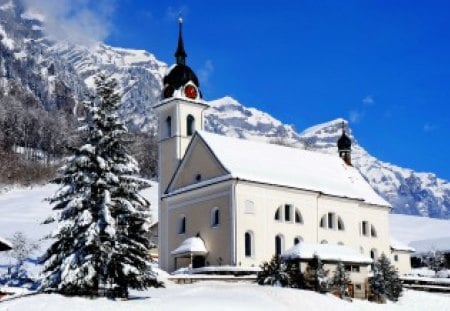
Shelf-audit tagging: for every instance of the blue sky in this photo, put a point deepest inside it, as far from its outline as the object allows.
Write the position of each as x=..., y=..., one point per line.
x=383, y=65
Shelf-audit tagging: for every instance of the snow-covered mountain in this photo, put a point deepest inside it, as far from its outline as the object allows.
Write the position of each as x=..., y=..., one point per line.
x=59, y=73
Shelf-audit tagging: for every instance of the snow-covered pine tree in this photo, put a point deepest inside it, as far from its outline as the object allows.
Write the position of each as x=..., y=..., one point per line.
x=340, y=279
x=435, y=260
x=377, y=284
x=273, y=273
x=389, y=276
x=315, y=277
x=101, y=241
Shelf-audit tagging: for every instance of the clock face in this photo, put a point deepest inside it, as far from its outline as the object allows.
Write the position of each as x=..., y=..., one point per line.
x=168, y=91
x=190, y=91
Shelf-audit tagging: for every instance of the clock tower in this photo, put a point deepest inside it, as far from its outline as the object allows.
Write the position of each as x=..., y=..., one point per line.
x=180, y=114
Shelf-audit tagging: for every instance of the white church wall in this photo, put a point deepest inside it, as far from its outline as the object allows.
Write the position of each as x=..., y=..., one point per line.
x=197, y=207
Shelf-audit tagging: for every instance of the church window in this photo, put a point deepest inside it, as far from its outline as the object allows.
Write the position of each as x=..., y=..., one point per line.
x=395, y=257
x=373, y=254
x=331, y=220
x=279, y=244
x=373, y=232
x=190, y=125
x=298, y=217
x=182, y=225
x=278, y=214
x=215, y=217
x=249, y=207
x=323, y=221
x=287, y=212
x=365, y=228
x=249, y=251
x=168, y=126
x=198, y=177
x=340, y=224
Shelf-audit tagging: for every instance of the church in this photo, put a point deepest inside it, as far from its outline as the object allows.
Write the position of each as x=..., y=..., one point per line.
x=230, y=202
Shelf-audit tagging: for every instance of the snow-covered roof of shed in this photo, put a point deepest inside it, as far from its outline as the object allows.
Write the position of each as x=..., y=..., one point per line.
x=193, y=245
x=399, y=246
x=5, y=245
x=291, y=167
x=326, y=252
x=429, y=245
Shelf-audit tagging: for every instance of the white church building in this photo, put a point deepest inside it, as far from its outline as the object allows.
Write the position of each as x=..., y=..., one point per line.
x=228, y=201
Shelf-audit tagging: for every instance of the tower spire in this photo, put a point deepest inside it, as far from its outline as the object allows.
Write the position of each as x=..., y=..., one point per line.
x=180, y=53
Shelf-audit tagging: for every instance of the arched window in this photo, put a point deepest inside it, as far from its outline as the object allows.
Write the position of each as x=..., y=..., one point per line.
x=168, y=126
x=324, y=242
x=373, y=254
x=215, y=217
x=278, y=214
x=249, y=251
x=365, y=228
x=279, y=244
x=190, y=125
x=323, y=221
x=182, y=225
x=297, y=240
x=340, y=224
x=298, y=217
x=373, y=232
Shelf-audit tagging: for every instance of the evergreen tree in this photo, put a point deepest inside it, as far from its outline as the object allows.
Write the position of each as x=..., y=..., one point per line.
x=387, y=275
x=295, y=276
x=273, y=273
x=435, y=260
x=377, y=284
x=101, y=240
x=340, y=279
x=316, y=277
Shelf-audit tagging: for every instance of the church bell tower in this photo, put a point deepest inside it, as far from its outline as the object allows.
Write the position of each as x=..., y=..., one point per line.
x=180, y=114
x=345, y=146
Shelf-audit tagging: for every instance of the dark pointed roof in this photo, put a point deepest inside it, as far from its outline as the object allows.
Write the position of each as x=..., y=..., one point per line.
x=344, y=142
x=180, y=73
x=180, y=53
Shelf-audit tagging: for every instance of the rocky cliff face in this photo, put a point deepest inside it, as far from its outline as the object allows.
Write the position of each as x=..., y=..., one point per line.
x=58, y=74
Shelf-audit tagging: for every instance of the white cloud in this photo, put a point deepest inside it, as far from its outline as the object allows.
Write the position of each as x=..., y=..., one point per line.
x=78, y=21
x=205, y=72
x=355, y=116
x=368, y=100
x=173, y=13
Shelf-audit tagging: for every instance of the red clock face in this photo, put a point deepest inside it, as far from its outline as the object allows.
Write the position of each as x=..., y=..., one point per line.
x=190, y=92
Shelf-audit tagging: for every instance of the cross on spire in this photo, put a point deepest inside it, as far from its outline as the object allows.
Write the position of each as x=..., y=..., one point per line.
x=180, y=53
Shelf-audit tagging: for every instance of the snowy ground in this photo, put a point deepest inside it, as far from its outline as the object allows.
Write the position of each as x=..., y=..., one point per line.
x=226, y=296
x=23, y=209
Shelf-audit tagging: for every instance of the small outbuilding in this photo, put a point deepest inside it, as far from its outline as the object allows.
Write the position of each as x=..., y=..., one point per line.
x=191, y=253
x=356, y=264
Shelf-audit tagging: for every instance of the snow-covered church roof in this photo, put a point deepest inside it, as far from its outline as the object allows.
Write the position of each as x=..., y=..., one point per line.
x=326, y=252
x=290, y=167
